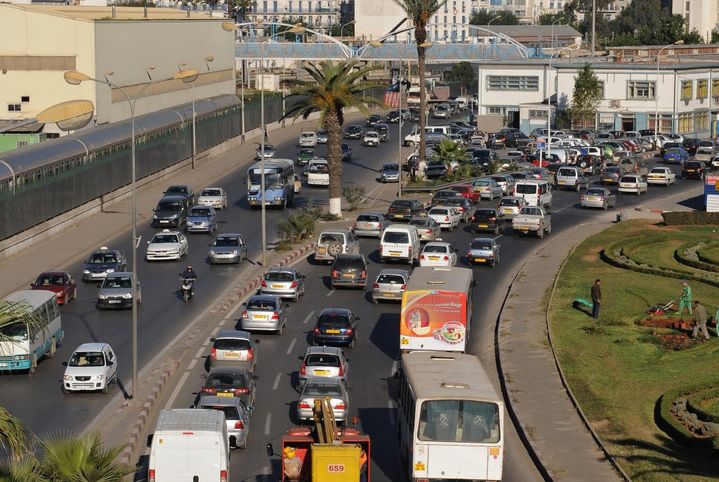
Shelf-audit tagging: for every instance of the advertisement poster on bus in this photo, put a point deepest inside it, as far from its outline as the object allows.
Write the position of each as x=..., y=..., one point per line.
x=433, y=320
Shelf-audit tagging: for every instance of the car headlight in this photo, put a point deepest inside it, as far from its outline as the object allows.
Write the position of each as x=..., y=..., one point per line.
x=174, y=251
x=174, y=216
x=212, y=252
x=154, y=216
x=277, y=198
x=235, y=251
x=127, y=296
x=86, y=271
x=102, y=297
x=98, y=378
x=67, y=378
x=110, y=270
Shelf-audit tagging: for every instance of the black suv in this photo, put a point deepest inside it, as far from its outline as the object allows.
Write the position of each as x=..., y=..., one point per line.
x=392, y=117
x=353, y=132
x=517, y=140
x=404, y=210
x=486, y=219
x=373, y=120
x=181, y=190
x=349, y=270
x=101, y=262
x=171, y=211
x=440, y=196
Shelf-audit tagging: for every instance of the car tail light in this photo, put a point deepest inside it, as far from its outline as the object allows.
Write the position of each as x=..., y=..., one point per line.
x=303, y=369
x=421, y=256
x=294, y=284
x=239, y=425
x=316, y=331
x=446, y=258
x=264, y=283
x=363, y=274
x=429, y=231
x=223, y=476
x=240, y=391
x=210, y=390
x=245, y=316
x=375, y=286
x=335, y=273
x=213, y=353
x=348, y=331
x=493, y=218
x=275, y=316
x=303, y=405
x=446, y=218
x=151, y=475
x=340, y=406
x=250, y=354
x=341, y=371
x=403, y=287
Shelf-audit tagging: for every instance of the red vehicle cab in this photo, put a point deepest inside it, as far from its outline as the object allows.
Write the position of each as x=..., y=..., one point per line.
x=60, y=283
x=467, y=191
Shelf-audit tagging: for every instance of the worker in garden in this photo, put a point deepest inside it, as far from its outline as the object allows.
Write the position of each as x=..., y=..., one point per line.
x=596, y=298
x=685, y=300
x=700, y=320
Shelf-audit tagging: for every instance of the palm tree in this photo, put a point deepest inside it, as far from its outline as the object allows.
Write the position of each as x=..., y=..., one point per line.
x=420, y=11
x=13, y=435
x=12, y=312
x=60, y=458
x=334, y=87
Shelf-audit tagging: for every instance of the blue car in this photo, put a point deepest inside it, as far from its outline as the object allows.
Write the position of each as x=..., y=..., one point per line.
x=676, y=155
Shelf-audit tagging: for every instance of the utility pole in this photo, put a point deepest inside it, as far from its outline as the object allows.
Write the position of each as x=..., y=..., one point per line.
x=594, y=23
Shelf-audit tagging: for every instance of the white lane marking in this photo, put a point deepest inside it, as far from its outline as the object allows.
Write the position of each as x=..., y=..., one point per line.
x=192, y=364
x=268, y=423
x=309, y=316
x=330, y=293
x=176, y=391
x=558, y=210
x=390, y=406
x=394, y=368
x=200, y=351
x=498, y=236
x=215, y=331
x=292, y=345
x=276, y=385
x=222, y=322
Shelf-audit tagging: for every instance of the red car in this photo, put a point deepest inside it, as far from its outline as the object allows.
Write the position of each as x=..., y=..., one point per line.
x=467, y=191
x=60, y=283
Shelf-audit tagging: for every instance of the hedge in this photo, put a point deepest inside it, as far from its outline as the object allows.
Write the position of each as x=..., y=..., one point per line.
x=680, y=256
x=667, y=422
x=701, y=254
x=694, y=400
x=676, y=218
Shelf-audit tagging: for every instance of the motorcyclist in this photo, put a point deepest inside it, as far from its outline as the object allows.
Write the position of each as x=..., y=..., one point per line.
x=189, y=273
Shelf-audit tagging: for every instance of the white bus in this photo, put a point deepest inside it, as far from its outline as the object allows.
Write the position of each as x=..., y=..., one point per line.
x=21, y=347
x=450, y=418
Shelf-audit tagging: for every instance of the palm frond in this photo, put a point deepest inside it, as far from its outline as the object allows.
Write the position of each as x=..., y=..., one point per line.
x=12, y=312
x=14, y=438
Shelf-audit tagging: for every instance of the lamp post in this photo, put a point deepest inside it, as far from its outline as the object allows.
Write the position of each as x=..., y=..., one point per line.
x=231, y=27
x=549, y=100
x=492, y=20
x=344, y=25
x=76, y=78
x=189, y=76
x=656, y=91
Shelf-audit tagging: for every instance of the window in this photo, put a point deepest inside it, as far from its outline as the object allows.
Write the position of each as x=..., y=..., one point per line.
x=274, y=6
x=715, y=88
x=702, y=88
x=497, y=110
x=458, y=421
x=702, y=121
x=264, y=6
x=686, y=122
x=14, y=108
x=640, y=90
x=513, y=82
x=300, y=2
x=22, y=144
x=601, y=82
x=687, y=88
x=537, y=114
x=25, y=98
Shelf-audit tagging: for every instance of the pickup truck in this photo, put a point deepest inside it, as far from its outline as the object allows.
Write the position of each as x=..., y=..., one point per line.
x=534, y=219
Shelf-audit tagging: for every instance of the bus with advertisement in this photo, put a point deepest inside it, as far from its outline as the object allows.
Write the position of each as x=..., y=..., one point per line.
x=450, y=418
x=281, y=183
x=437, y=310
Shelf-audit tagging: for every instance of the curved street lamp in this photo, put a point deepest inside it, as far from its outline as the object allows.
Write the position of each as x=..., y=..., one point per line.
x=656, y=90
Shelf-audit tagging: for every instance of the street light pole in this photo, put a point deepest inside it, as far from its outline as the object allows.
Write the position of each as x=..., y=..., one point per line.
x=263, y=208
x=344, y=25
x=656, y=91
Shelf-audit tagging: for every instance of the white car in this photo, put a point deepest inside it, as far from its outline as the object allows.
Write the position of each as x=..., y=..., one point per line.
x=661, y=175
x=308, y=139
x=92, y=366
x=715, y=161
x=440, y=254
x=371, y=138
x=447, y=217
x=215, y=197
x=487, y=188
x=166, y=245
x=632, y=183
x=318, y=172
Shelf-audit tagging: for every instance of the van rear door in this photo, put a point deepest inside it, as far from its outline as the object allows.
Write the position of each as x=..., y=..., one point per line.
x=396, y=244
x=182, y=456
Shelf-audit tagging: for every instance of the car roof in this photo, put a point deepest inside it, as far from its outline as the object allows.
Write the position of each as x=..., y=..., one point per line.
x=226, y=370
x=349, y=256
x=53, y=273
x=329, y=350
x=166, y=231
x=335, y=231
x=438, y=243
x=264, y=298
x=339, y=311
x=118, y=274
x=281, y=269
x=91, y=347
x=390, y=271
x=172, y=197
x=219, y=401
x=371, y=213
x=212, y=187
x=234, y=334
x=228, y=235
x=482, y=239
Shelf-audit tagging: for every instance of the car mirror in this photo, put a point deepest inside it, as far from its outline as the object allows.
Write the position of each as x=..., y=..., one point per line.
x=269, y=449
x=212, y=339
x=110, y=363
x=149, y=440
x=64, y=363
x=357, y=318
x=244, y=304
x=301, y=358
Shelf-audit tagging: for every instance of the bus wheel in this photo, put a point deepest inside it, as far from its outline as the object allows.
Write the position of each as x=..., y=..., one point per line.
x=53, y=348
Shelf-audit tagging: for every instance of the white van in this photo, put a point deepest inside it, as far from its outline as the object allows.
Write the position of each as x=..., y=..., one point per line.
x=400, y=242
x=571, y=177
x=308, y=139
x=189, y=444
x=535, y=191
x=318, y=172
x=412, y=139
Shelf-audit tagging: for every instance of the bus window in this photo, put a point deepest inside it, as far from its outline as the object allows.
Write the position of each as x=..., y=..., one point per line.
x=458, y=421
x=15, y=332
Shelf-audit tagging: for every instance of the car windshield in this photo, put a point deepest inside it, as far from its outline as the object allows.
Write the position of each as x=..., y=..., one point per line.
x=227, y=380
x=348, y=262
x=368, y=218
x=440, y=212
x=226, y=242
x=234, y=344
x=674, y=151
x=164, y=238
x=230, y=412
x=327, y=238
x=87, y=359
x=481, y=244
x=49, y=280
x=322, y=360
x=611, y=170
x=14, y=332
x=526, y=188
x=446, y=194
x=102, y=258
x=262, y=305
x=390, y=167
x=397, y=237
x=321, y=390
x=211, y=192
x=279, y=276
x=176, y=190
x=419, y=222
x=333, y=320
x=354, y=129
x=481, y=183
x=200, y=212
x=308, y=135
x=272, y=180
x=629, y=179
x=319, y=167
x=567, y=172
x=508, y=202
x=658, y=170
x=391, y=279
x=481, y=153
x=117, y=282
x=457, y=201
x=693, y=164
x=484, y=213
x=458, y=421
x=169, y=206
x=595, y=192
x=530, y=211
x=435, y=248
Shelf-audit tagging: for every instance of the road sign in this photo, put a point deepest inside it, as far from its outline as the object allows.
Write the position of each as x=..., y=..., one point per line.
x=541, y=143
x=583, y=151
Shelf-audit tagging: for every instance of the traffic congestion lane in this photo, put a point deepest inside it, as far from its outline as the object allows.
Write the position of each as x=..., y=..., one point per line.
x=162, y=313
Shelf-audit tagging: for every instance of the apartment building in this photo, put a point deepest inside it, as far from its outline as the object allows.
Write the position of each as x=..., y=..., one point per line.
x=702, y=15
x=317, y=14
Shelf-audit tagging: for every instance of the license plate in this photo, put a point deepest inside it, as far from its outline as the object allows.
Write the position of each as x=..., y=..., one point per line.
x=113, y=301
x=507, y=211
x=399, y=215
x=230, y=354
x=322, y=372
x=395, y=253
x=479, y=260
x=260, y=317
x=690, y=170
x=524, y=229
x=483, y=225
x=594, y=198
x=348, y=275
x=225, y=394
x=434, y=258
x=562, y=182
x=277, y=286
x=4, y=364
x=164, y=221
x=333, y=332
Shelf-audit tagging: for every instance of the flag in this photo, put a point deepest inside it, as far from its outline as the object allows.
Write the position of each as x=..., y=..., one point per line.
x=391, y=99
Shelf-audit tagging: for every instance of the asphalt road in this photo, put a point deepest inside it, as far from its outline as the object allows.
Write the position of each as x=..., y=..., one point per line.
x=39, y=402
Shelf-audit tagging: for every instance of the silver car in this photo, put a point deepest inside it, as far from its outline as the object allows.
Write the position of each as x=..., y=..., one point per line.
x=509, y=206
x=201, y=219
x=227, y=248
x=213, y=196
x=317, y=388
x=389, y=285
x=116, y=291
x=427, y=228
x=324, y=362
x=370, y=224
x=483, y=251
x=333, y=242
x=505, y=181
x=283, y=282
x=598, y=197
x=234, y=348
x=237, y=417
x=264, y=313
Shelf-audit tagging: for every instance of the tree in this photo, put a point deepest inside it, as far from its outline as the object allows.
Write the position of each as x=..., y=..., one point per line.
x=586, y=97
x=483, y=17
x=449, y=151
x=462, y=72
x=13, y=435
x=59, y=458
x=550, y=18
x=337, y=30
x=240, y=8
x=419, y=12
x=333, y=88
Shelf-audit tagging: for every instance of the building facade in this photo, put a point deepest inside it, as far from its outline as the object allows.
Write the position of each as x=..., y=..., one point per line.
x=319, y=15
x=702, y=15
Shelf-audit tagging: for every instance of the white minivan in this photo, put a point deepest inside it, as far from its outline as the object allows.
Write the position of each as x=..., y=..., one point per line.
x=308, y=139
x=318, y=172
x=535, y=191
x=571, y=177
x=400, y=242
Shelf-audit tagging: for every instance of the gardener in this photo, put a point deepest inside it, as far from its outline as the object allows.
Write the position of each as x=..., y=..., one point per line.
x=700, y=320
x=685, y=300
x=596, y=299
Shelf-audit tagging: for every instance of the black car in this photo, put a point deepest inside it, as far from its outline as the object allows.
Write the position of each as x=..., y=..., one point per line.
x=486, y=219
x=693, y=170
x=392, y=117
x=353, y=132
x=383, y=131
x=404, y=210
x=171, y=211
x=349, y=270
x=414, y=114
x=346, y=152
x=335, y=326
x=435, y=169
x=373, y=120
x=231, y=382
x=690, y=144
x=181, y=190
x=482, y=157
x=517, y=140
x=440, y=197
x=101, y=262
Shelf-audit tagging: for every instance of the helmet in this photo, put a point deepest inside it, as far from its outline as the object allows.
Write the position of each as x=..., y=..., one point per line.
x=189, y=268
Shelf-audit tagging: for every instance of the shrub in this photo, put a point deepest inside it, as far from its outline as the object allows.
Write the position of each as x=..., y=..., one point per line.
x=299, y=225
x=674, y=218
x=694, y=404
x=667, y=422
x=355, y=196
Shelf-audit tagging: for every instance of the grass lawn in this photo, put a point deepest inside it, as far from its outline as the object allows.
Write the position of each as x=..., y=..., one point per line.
x=616, y=369
x=711, y=253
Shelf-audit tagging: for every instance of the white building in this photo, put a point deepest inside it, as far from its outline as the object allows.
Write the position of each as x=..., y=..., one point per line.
x=317, y=14
x=702, y=15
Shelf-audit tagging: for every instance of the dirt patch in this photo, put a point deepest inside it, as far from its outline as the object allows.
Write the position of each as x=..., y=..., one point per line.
x=674, y=323
x=671, y=341
x=592, y=255
x=675, y=342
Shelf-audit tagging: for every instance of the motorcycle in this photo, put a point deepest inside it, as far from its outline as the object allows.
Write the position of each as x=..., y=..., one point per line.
x=187, y=288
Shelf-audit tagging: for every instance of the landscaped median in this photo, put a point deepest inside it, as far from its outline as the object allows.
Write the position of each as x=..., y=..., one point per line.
x=651, y=393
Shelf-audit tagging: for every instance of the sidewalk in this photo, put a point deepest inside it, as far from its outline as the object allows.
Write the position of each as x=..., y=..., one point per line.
x=543, y=408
